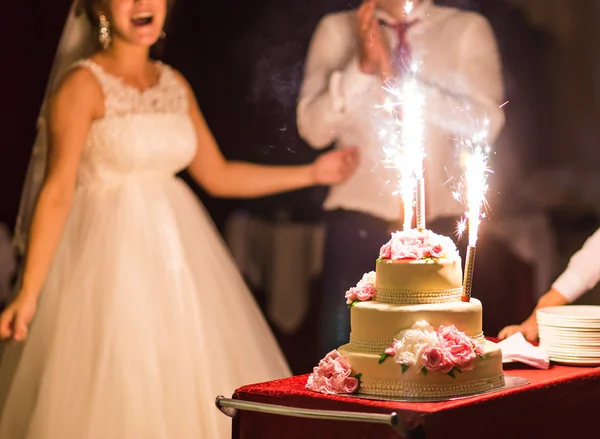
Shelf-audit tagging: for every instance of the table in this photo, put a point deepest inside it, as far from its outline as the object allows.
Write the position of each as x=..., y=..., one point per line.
x=558, y=403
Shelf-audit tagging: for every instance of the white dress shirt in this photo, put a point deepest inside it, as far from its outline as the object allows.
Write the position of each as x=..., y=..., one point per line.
x=583, y=272
x=461, y=75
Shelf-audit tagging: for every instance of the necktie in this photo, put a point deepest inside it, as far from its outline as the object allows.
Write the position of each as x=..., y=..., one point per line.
x=401, y=54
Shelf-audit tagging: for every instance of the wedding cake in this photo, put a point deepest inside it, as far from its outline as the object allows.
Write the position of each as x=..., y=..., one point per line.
x=413, y=334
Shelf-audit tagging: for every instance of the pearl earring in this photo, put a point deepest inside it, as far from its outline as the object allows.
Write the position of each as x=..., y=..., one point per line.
x=104, y=32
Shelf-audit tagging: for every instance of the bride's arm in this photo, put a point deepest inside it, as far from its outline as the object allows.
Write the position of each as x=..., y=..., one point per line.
x=223, y=178
x=70, y=112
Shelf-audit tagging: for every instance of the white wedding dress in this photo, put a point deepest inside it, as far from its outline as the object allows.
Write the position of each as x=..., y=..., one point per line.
x=144, y=318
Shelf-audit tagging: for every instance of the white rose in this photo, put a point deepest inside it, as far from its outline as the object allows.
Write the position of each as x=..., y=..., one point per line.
x=368, y=278
x=412, y=342
x=422, y=325
x=406, y=357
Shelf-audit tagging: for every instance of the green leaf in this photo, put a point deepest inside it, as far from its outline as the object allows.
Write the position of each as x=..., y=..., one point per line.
x=353, y=303
x=458, y=370
x=451, y=373
x=379, y=260
x=358, y=376
x=404, y=367
x=383, y=357
x=424, y=371
x=483, y=357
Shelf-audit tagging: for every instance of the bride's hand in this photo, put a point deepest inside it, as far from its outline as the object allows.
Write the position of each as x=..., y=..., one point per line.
x=15, y=319
x=335, y=166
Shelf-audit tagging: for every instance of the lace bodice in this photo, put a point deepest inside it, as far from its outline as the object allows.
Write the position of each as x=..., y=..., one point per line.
x=142, y=133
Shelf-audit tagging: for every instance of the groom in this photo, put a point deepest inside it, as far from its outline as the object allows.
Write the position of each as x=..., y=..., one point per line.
x=351, y=54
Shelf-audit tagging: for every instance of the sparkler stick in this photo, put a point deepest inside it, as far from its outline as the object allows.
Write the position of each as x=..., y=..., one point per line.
x=475, y=179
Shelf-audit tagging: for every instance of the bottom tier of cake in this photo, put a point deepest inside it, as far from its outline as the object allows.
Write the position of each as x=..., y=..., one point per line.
x=388, y=378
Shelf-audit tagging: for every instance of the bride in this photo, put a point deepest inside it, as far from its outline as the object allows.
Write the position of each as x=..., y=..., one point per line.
x=141, y=318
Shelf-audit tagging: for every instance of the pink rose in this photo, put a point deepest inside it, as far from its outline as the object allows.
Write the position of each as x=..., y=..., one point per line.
x=437, y=359
x=458, y=345
x=343, y=384
x=436, y=251
x=386, y=250
x=401, y=252
x=414, y=245
x=391, y=350
x=479, y=349
x=365, y=293
x=463, y=357
x=351, y=295
x=350, y=385
x=362, y=292
x=452, y=336
x=332, y=375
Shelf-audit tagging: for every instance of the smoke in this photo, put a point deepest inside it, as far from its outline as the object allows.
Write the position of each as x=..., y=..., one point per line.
x=276, y=48
x=276, y=74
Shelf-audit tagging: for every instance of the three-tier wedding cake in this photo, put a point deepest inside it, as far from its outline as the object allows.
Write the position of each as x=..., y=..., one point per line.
x=411, y=334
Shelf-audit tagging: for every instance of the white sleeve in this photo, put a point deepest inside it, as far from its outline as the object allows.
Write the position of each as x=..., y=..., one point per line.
x=331, y=87
x=476, y=92
x=583, y=271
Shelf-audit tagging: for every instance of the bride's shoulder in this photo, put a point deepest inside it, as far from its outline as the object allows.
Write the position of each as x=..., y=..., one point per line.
x=177, y=76
x=176, y=73
x=78, y=87
x=80, y=77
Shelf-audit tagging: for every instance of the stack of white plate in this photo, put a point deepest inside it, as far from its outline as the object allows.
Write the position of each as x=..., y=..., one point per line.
x=570, y=334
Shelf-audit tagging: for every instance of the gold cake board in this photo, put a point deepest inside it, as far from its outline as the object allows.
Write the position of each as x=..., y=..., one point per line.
x=510, y=382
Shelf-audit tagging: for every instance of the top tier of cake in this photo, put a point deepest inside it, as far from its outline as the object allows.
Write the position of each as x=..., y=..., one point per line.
x=418, y=267
x=416, y=282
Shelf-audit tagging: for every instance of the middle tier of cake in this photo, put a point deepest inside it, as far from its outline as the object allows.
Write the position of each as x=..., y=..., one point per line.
x=374, y=324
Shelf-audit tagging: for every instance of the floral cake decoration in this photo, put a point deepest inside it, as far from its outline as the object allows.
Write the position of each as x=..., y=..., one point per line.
x=333, y=375
x=363, y=291
x=425, y=349
x=414, y=245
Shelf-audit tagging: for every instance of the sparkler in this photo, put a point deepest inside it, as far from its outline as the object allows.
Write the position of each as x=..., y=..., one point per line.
x=475, y=178
x=407, y=154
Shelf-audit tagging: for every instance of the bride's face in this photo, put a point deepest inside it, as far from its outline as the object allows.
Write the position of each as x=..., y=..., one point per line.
x=137, y=21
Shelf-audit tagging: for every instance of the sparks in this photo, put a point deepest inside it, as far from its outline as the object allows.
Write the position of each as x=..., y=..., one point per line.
x=476, y=171
x=472, y=188
x=476, y=188
x=461, y=226
x=388, y=105
x=404, y=143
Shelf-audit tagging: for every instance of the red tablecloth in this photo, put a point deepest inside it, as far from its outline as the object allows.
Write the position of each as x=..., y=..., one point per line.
x=558, y=403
